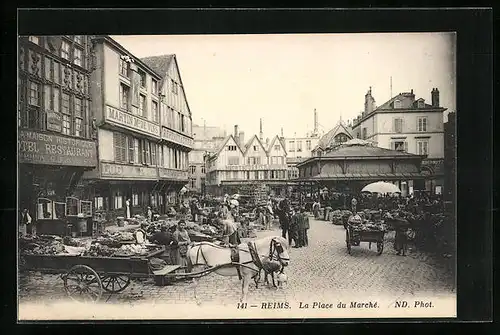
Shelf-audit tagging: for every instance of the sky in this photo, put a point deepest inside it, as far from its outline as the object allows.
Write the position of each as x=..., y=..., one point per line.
x=238, y=79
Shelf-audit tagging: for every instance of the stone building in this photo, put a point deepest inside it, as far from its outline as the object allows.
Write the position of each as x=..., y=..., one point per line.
x=408, y=124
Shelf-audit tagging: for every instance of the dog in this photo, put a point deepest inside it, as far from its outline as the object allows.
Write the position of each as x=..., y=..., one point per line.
x=282, y=279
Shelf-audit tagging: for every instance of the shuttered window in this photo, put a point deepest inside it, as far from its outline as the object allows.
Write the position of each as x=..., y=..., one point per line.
x=131, y=149
x=398, y=125
x=120, y=147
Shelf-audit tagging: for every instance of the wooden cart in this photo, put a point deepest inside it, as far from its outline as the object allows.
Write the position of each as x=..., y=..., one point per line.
x=355, y=235
x=85, y=278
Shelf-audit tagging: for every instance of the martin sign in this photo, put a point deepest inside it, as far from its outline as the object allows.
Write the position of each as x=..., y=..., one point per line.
x=41, y=148
x=130, y=121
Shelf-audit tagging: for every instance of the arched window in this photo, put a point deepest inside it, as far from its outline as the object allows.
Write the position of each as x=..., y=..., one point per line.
x=397, y=103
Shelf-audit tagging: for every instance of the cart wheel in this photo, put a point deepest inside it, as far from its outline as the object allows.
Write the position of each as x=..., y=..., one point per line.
x=82, y=283
x=115, y=283
x=380, y=248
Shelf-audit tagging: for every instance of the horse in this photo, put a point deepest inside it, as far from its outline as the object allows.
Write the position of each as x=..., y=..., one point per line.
x=247, y=265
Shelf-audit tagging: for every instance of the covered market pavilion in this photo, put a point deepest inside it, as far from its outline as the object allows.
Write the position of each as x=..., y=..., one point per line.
x=354, y=164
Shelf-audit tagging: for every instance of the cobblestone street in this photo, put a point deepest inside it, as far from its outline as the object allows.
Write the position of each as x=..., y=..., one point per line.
x=324, y=269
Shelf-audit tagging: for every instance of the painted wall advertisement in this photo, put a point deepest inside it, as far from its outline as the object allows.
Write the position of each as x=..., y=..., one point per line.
x=41, y=148
x=111, y=170
x=131, y=121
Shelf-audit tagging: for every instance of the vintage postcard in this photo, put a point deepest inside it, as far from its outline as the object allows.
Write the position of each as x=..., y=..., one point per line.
x=236, y=176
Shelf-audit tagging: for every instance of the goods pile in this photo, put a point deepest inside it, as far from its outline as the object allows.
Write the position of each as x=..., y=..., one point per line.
x=41, y=245
x=338, y=216
x=360, y=223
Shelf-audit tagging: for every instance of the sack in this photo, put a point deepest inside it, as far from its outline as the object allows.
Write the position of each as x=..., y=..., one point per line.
x=157, y=264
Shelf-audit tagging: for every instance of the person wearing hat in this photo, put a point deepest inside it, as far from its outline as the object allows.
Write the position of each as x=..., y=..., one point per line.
x=294, y=228
x=149, y=214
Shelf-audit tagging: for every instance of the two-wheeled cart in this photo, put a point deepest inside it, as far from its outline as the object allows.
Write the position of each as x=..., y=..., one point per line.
x=86, y=277
x=355, y=234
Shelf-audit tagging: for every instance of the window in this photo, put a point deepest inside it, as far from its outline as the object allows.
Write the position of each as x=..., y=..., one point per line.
x=203, y=171
x=78, y=39
x=255, y=148
x=397, y=103
x=48, y=68
x=78, y=127
x=120, y=147
x=365, y=133
x=142, y=74
x=34, y=39
x=233, y=161
x=231, y=147
x=192, y=169
x=124, y=96
x=124, y=66
x=34, y=97
x=65, y=50
x=131, y=149
x=136, y=151
x=56, y=99
x=47, y=97
x=299, y=146
x=277, y=147
x=65, y=104
x=57, y=73
x=291, y=146
x=423, y=147
x=66, y=124
x=77, y=57
x=142, y=106
x=398, y=125
x=421, y=104
x=154, y=110
x=422, y=124
x=308, y=145
x=400, y=146
x=153, y=154
x=146, y=153
x=154, y=86
x=175, y=88
x=118, y=201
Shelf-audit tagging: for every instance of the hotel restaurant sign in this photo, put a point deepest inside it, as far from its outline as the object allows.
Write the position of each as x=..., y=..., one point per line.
x=50, y=149
x=130, y=121
x=173, y=174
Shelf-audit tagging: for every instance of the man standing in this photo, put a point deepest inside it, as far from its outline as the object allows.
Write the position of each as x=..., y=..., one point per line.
x=294, y=229
x=301, y=227
x=283, y=213
x=24, y=221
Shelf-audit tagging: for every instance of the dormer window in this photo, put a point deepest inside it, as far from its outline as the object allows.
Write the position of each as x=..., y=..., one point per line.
x=397, y=103
x=420, y=104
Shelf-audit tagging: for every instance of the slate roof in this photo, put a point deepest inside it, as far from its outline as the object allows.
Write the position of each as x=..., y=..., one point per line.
x=366, y=151
x=390, y=103
x=159, y=64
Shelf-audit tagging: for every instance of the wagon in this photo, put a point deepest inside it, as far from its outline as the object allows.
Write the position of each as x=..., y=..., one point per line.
x=85, y=278
x=355, y=235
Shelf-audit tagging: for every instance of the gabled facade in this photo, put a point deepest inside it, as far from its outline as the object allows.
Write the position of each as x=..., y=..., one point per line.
x=235, y=164
x=341, y=133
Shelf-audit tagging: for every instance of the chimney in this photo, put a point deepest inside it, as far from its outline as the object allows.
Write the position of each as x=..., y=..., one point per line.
x=315, y=122
x=369, y=102
x=241, y=138
x=261, y=134
x=435, y=97
x=236, y=137
x=282, y=132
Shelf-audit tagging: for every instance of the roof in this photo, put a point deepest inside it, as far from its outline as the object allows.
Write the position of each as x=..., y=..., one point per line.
x=340, y=128
x=202, y=133
x=159, y=64
x=366, y=176
x=279, y=141
x=247, y=145
x=223, y=144
x=401, y=96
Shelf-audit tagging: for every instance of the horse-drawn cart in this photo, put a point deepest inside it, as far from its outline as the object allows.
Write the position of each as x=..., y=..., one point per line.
x=85, y=278
x=356, y=234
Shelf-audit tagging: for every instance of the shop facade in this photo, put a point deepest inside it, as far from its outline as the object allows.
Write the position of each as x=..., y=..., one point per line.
x=56, y=138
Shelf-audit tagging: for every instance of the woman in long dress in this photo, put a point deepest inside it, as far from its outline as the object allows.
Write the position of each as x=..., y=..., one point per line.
x=182, y=242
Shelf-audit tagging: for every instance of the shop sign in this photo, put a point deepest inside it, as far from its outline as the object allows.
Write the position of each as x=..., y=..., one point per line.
x=54, y=121
x=172, y=136
x=40, y=148
x=131, y=121
x=119, y=171
x=173, y=174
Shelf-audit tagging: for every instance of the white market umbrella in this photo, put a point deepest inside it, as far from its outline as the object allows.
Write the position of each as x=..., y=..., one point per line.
x=234, y=202
x=381, y=187
x=184, y=189
x=236, y=196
